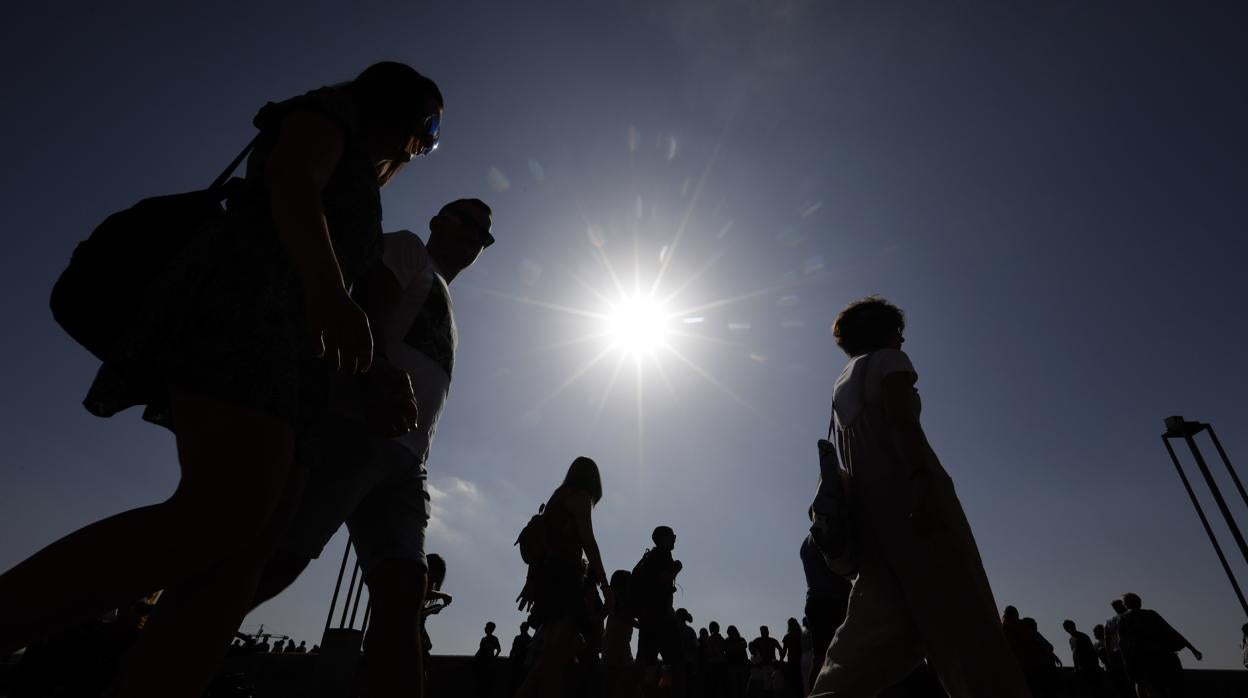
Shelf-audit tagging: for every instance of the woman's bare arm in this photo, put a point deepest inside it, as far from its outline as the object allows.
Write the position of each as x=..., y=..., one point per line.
x=297, y=169
x=581, y=508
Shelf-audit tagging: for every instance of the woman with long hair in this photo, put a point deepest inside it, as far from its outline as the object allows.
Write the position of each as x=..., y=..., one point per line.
x=556, y=589
x=921, y=588
x=232, y=347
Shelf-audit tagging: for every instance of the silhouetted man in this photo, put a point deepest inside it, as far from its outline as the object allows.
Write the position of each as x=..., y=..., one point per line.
x=369, y=470
x=519, y=655
x=653, y=587
x=1150, y=649
x=766, y=646
x=1084, y=658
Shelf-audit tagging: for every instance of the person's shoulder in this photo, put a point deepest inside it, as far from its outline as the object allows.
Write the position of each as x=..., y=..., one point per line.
x=888, y=361
x=404, y=254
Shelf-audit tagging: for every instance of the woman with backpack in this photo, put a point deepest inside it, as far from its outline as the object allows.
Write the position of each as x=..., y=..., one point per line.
x=232, y=345
x=555, y=590
x=921, y=588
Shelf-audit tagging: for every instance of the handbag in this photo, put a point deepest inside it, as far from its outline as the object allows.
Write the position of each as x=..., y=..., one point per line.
x=98, y=294
x=832, y=528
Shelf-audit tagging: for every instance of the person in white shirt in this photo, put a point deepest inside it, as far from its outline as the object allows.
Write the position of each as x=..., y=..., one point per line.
x=921, y=590
x=368, y=460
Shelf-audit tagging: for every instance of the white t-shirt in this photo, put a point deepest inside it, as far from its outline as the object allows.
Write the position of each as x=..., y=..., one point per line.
x=419, y=336
x=848, y=393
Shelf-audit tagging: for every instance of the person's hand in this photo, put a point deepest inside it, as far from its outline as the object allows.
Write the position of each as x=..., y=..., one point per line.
x=525, y=598
x=339, y=329
x=1196, y=653
x=389, y=404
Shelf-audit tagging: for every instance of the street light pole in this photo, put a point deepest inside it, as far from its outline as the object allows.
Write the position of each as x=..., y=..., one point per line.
x=1177, y=427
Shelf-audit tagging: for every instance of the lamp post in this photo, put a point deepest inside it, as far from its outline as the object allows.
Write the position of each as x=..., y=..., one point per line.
x=1179, y=428
x=340, y=646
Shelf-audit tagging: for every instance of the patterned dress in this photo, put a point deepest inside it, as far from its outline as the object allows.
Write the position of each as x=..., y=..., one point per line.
x=225, y=318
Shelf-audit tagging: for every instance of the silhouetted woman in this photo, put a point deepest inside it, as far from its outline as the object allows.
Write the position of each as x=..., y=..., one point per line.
x=224, y=349
x=921, y=587
x=556, y=589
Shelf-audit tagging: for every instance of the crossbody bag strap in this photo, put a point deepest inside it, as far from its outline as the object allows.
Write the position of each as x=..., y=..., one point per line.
x=229, y=170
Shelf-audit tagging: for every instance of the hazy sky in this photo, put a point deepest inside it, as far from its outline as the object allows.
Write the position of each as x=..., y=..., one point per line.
x=1053, y=192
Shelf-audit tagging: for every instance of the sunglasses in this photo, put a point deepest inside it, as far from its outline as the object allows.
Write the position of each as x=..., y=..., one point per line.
x=424, y=141
x=483, y=234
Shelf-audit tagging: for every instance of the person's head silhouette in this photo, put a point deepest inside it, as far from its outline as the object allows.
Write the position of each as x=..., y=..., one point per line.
x=869, y=325
x=1010, y=615
x=703, y=634
x=762, y=630
x=489, y=628
x=1098, y=631
x=1069, y=626
x=583, y=475
x=458, y=234
x=664, y=538
x=733, y=632
x=1030, y=625
x=524, y=627
x=400, y=112
x=1118, y=606
x=713, y=626
x=1131, y=601
x=684, y=615
x=794, y=627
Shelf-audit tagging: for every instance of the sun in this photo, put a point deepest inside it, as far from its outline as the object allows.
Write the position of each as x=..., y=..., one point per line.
x=637, y=326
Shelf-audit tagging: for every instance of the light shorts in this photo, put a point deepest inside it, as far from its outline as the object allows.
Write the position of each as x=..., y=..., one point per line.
x=373, y=484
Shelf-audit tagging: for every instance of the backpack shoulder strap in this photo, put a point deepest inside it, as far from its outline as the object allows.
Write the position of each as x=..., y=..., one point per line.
x=224, y=177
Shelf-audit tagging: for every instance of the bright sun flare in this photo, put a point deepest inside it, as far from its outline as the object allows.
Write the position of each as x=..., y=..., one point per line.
x=637, y=326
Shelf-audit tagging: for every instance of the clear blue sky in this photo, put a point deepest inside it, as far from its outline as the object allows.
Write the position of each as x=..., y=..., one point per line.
x=1053, y=191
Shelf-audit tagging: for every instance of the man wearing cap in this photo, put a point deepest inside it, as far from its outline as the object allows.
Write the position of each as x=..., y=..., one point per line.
x=368, y=463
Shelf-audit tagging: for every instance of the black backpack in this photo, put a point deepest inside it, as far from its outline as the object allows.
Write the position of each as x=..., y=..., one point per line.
x=643, y=586
x=98, y=294
x=534, y=538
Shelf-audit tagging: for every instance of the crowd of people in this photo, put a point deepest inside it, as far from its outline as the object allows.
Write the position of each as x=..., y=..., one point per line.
x=302, y=358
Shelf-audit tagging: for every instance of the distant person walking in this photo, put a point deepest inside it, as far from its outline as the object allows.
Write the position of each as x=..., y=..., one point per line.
x=1083, y=657
x=1243, y=644
x=791, y=656
x=921, y=587
x=738, y=663
x=1115, y=668
x=517, y=658
x=1150, y=649
x=1039, y=661
x=653, y=589
x=234, y=342
x=555, y=590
